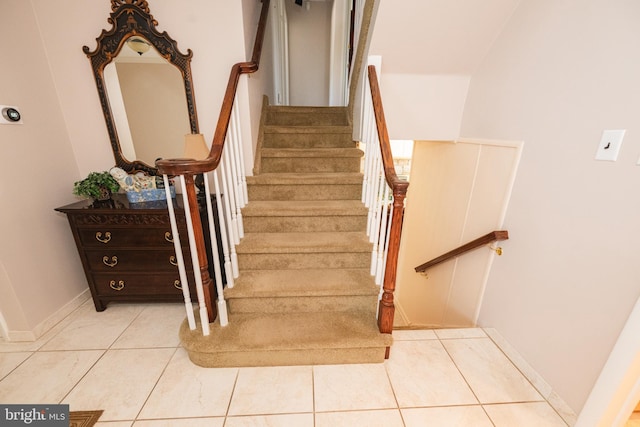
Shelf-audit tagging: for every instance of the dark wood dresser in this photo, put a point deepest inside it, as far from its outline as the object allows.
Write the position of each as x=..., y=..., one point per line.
x=127, y=250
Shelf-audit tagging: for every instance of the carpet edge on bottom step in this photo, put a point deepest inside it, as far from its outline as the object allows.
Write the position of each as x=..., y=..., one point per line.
x=359, y=343
x=288, y=357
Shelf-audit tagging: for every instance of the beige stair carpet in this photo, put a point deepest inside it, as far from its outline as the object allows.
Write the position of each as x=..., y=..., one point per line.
x=304, y=294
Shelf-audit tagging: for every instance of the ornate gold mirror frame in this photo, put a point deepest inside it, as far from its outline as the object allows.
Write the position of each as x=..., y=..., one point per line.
x=131, y=18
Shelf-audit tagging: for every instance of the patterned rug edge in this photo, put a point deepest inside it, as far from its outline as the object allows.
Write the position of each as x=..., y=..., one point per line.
x=84, y=418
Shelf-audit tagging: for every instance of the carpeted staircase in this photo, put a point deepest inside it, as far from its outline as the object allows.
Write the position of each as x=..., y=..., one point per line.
x=304, y=295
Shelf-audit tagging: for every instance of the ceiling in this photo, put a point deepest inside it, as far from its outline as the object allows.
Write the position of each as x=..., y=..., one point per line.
x=437, y=36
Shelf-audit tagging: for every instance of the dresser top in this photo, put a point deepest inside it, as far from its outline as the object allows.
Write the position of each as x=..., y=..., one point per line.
x=117, y=203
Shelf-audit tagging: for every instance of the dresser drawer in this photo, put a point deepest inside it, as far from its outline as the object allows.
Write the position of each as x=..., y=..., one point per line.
x=129, y=284
x=108, y=237
x=144, y=259
x=127, y=250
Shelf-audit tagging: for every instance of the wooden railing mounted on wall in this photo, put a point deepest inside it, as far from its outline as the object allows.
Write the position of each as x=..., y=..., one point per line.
x=381, y=181
x=187, y=169
x=494, y=236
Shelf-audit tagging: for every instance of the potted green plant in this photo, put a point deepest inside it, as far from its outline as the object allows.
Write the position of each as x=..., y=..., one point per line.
x=97, y=185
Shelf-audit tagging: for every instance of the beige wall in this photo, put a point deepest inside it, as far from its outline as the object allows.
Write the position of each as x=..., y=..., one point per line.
x=40, y=271
x=423, y=107
x=212, y=30
x=63, y=138
x=437, y=37
x=561, y=73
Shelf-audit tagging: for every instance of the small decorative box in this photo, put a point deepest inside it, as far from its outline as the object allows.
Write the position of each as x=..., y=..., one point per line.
x=149, y=195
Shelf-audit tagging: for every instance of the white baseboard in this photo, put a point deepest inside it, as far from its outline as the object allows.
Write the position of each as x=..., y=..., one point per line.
x=560, y=406
x=44, y=326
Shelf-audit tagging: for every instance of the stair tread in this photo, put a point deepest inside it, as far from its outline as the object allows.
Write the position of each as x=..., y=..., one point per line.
x=307, y=109
x=309, y=242
x=287, y=331
x=311, y=152
x=298, y=178
x=296, y=283
x=318, y=129
x=304, y=208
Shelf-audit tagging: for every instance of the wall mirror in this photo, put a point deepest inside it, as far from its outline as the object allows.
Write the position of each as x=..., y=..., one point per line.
x=145, y=88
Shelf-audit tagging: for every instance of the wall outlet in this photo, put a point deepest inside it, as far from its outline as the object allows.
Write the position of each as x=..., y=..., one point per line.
x=610, y=144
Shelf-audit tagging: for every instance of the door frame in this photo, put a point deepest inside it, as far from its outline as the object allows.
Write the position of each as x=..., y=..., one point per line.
x=339, y=53
x=280, y=39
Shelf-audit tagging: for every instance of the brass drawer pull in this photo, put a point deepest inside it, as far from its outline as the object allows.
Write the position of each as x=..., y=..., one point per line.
x=168, y=237
x=110, y=262
x=177, y=284
x=173, y=260
x=116, y=286
x=105, y=239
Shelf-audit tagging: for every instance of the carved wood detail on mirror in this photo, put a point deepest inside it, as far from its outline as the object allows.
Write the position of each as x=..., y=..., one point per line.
x=145, y=88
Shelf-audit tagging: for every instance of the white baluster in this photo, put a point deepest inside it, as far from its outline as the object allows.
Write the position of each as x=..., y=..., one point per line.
x=204, y=316
x=386, y=246
x=368, y=151
x=232, y=157
x=372, y=147
x=179, y=258
x=228, y=269
x=383, y=241
x=240, y=203
x=231, y=228
x=375, y=193
x=227, y=182
x=222, y=305
x=243, y=173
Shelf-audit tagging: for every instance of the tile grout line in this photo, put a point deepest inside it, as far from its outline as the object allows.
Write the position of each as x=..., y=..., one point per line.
x=393, y=390
x=233, y=390
x=313, y=394
x=157, y=380
x=466, y=381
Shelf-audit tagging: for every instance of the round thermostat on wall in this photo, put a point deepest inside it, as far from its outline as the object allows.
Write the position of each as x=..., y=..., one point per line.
x=10, y=115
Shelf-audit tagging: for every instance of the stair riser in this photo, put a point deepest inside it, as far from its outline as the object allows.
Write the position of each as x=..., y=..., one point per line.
x=307, y=260
x=304, y=224
x=279, y=118
x=329, y=356
x=312, y=140
x=309, y=164
x=305, y=192
x=303, y=304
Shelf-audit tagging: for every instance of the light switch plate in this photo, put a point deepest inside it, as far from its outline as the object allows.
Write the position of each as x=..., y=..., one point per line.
x=610, y=144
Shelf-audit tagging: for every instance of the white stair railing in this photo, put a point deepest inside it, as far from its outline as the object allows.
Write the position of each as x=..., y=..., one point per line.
x=376, y=193
x=383, y=193
x=223, y=164
x=229, y=198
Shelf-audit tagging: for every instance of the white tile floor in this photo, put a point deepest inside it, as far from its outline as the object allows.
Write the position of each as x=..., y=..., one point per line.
x=127, y=361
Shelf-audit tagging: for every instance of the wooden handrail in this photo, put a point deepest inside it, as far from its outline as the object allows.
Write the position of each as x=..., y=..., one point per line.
x=386, y=310
x=192, y=167
x=383, y=134
x=480, y=241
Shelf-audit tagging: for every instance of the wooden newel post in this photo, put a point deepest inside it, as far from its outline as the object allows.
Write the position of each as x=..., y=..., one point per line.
x=207, y=283
x=386, y=310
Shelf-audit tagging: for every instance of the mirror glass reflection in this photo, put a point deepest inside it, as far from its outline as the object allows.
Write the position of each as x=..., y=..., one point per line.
x=148, y=101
